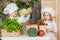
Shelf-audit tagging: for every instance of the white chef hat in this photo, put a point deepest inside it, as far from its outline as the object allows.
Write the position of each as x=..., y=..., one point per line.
x=49, y=10
x=10, y=8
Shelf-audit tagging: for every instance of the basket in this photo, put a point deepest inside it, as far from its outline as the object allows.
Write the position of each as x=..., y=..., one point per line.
x=4, y=33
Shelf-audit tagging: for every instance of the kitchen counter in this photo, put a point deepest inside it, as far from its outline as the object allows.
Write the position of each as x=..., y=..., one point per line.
x=25, y=37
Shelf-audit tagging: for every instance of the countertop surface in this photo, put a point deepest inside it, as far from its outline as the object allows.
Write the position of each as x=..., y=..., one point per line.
x=25, y=37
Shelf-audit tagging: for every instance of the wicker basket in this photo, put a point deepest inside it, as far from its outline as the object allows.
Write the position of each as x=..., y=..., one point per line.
x=4, y=33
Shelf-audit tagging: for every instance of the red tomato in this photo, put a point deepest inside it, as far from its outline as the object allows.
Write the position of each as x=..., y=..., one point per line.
x=41, y=23
x=41, y=33
x=46, y=24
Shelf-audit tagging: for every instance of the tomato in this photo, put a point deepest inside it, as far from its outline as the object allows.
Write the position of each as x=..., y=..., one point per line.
x=46, y=24
x=41, y=33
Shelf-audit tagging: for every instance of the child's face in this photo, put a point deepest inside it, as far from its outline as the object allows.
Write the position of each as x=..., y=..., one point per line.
x=14, y=13
x=46, y=16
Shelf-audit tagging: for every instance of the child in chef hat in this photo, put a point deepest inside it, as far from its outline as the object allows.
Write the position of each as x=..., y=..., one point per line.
x=47, y=14
x=11, y=10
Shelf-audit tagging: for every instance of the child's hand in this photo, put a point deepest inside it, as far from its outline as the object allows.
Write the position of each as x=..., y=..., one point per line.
x=27, y=12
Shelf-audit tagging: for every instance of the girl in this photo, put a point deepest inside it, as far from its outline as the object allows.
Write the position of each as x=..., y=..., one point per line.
x=47, y=14
x=11, y=10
